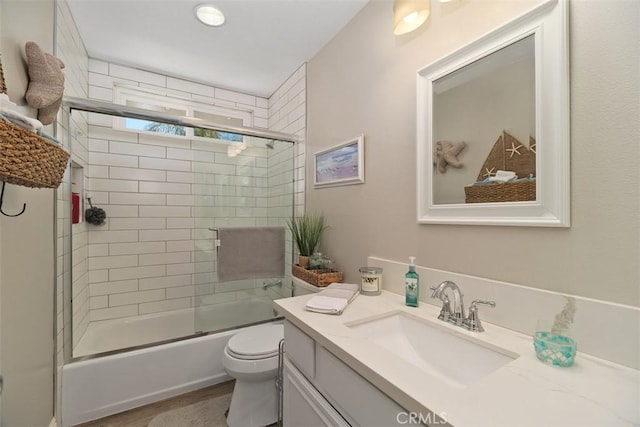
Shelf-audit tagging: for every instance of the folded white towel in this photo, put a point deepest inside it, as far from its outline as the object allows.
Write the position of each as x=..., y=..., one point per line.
x=5, y=102
x=328, y=305
x=19, y=119
x=503, y=176
x=334, y=299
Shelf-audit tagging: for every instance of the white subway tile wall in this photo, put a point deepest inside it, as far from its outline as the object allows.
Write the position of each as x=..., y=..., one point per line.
x=162, y=194
x=70, y=49
x=287, y=113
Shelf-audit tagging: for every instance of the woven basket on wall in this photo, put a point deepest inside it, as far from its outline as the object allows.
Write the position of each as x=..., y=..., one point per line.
x=28, y=159
x=503, y=157
x=501, y=192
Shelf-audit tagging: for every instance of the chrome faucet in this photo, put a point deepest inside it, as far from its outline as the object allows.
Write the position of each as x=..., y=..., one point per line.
x=458, y=305
x=472, y=323
x=458, y=318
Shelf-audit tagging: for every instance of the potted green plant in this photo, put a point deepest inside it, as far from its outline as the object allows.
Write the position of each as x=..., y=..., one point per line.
x=306, y=232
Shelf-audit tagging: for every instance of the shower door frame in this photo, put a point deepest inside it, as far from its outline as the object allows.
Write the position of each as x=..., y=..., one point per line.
x=92, y=106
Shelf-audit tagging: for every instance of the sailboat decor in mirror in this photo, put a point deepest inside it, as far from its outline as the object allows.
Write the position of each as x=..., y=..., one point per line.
x=504, y=98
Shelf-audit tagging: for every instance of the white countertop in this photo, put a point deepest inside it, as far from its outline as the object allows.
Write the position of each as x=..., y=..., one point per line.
x=525, y=392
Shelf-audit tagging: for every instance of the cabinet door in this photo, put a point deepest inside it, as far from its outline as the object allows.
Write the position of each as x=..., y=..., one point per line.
x=359, y=401
x=303, y=406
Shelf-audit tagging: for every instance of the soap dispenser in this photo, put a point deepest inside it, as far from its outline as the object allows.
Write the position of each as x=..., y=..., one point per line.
x=411, y=287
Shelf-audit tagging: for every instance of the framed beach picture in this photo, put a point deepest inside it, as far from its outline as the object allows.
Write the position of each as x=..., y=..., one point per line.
x=342, y=164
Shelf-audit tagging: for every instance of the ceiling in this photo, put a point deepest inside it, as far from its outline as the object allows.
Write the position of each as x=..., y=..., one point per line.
x=260, y=45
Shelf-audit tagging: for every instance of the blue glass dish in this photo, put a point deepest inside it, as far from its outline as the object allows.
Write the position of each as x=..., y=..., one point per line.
x=555, y=349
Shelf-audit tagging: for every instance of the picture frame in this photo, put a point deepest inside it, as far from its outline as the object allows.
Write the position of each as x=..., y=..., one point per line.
x=341, y=164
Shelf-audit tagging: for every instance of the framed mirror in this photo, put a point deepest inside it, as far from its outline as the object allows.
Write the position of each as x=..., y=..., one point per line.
x=493, y=126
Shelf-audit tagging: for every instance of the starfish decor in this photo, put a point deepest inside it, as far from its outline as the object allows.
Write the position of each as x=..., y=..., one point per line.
x=489, y=173
x=514, y=150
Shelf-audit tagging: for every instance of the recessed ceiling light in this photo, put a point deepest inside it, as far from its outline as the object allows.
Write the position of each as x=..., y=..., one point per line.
x=209, y=15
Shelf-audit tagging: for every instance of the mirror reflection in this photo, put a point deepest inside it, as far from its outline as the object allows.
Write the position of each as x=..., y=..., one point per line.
x=484, y=129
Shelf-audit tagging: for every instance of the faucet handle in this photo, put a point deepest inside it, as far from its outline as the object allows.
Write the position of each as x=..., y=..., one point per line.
x=474, y=304
x=445, y=311
x=472, y=322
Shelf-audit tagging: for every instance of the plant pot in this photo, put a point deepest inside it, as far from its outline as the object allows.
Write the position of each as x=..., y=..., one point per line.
x=303, y=261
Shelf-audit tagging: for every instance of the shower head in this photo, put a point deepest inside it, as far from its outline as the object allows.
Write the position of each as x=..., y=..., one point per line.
x=270, y=144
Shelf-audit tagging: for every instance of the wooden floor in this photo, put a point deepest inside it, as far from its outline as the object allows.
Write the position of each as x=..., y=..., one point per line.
x=141, y=417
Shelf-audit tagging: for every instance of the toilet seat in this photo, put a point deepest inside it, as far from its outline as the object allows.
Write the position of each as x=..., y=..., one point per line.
x=257, y=343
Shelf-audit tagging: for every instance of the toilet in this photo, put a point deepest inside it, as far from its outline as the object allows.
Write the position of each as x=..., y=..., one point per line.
x=251, y=357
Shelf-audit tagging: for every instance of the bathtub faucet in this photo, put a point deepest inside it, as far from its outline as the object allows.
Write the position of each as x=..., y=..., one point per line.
x=266, y=285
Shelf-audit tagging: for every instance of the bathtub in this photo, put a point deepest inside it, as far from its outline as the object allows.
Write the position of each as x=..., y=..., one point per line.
x=106, y=385
x=115, y=334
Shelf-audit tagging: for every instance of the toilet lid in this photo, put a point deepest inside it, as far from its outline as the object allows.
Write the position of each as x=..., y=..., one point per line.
x=256, y=343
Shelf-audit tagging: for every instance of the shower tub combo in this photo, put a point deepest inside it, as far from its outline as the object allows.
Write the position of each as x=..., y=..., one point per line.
x=102, y=386
x=126, y=362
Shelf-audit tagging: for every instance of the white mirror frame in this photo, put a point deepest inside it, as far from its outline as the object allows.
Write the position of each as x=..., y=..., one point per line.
x=549, y=22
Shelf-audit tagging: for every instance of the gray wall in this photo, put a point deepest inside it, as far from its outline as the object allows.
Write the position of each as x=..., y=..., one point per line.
x=26, y=246
x=364, y=80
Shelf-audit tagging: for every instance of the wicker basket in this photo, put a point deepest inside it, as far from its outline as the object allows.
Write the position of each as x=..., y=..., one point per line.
x=501, y=192
x=319, y=278
x=28, y=159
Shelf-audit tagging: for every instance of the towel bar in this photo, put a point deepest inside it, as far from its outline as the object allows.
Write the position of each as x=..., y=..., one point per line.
x=216, y=241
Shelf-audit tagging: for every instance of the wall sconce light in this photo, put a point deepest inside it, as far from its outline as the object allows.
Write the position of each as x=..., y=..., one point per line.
x=408, y=15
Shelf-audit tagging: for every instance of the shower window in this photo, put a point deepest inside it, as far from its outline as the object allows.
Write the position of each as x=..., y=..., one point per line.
x=183, y=108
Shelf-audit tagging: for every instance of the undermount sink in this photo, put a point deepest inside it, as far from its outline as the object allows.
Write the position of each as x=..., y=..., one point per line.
x=455, y=358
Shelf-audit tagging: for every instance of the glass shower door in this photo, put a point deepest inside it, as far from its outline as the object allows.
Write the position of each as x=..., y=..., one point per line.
x=246, y=183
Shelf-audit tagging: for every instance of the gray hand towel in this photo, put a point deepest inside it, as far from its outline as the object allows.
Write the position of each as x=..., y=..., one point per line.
x=250, y=253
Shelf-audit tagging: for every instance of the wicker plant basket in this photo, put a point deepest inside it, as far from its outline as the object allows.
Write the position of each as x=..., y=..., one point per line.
x=501, y=192
x=319, y=278
x=28, y=159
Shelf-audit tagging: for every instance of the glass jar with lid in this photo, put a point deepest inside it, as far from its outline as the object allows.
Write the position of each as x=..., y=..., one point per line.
x=316, y=262
x=371, y=280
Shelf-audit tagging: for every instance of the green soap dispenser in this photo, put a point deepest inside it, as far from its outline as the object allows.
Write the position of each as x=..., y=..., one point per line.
x=411, y=287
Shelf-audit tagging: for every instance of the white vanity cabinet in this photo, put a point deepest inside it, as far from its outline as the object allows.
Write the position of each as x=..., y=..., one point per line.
x=321, y=390
x=303, y=405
